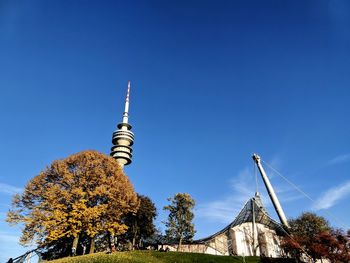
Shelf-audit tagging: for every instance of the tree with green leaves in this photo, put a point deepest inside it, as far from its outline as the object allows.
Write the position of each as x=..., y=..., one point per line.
x=86, y=194
x=141, y=224
x=179, y=224
x=308, y=234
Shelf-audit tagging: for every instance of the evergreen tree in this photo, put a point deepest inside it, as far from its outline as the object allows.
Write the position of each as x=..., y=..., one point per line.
x=141, y=224
x=179, y=225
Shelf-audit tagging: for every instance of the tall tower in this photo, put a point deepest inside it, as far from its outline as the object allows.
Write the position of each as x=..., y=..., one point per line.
x=123, y=138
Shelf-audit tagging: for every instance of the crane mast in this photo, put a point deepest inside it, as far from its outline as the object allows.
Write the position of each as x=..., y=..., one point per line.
x=271, y=193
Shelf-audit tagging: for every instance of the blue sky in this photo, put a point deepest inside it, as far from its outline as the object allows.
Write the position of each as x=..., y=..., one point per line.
x=212, y=83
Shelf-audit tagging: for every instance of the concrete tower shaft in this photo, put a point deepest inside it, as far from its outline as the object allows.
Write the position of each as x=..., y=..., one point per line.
x=123, y=138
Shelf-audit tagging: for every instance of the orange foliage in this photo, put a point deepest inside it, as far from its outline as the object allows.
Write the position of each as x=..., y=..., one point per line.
x=86, y=192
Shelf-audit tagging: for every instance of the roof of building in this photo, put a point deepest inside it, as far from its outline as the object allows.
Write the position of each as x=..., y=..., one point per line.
x=253, y=206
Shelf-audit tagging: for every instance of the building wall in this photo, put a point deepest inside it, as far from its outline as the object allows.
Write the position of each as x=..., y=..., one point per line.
x=267, y=242
x=238, y=241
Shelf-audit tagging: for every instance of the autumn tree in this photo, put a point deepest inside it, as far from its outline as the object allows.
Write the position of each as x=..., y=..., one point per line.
x=85, y=194
x=333, y=245
x=291, y=247
x=310, y=233
x=179, y=224
x=141, y=224
x=306, y=229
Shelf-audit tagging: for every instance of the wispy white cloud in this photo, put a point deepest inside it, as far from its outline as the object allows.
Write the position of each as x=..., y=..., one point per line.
x=339, y=159
x=276, y=162
x=10, y=246
x=226, y=208
x=332, y=196
x=9, y=189
x=222, y=211
x=287, y=193
x=6, y=237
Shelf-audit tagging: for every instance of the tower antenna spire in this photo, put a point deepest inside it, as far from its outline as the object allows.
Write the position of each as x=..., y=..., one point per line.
x=126, y=108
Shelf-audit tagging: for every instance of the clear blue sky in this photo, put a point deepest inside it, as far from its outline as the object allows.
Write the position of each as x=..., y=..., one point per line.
x=212, y=83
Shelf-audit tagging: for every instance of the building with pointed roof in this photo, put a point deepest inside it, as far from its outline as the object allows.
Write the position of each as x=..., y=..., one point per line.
x=252, y=232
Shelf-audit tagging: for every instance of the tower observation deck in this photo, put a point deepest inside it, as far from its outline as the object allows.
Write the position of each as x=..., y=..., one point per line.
x=123, y=138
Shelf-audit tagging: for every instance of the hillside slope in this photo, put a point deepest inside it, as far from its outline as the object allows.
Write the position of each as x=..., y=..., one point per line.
x=162, y=257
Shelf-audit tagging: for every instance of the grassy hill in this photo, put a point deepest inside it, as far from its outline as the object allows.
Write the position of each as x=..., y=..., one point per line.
x=162, y=257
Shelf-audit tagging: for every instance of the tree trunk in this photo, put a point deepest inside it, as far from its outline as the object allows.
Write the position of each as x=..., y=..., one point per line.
x=111, y=240
x=92, y=245
x=133, y=241
x=134, y=228
x=140, y=243
x=75, y=245
x=180, y=243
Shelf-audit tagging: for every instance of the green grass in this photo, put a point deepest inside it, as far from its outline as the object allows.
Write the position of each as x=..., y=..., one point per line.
x=160, y=257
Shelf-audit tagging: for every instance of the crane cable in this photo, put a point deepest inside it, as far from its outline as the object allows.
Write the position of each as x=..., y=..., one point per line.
x=306, y=195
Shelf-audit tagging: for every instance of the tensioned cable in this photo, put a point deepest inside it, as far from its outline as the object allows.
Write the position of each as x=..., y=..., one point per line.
x=305, y=194
x=296, y=187
x=289, y=235
x=256, y=183
x=301, y=191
